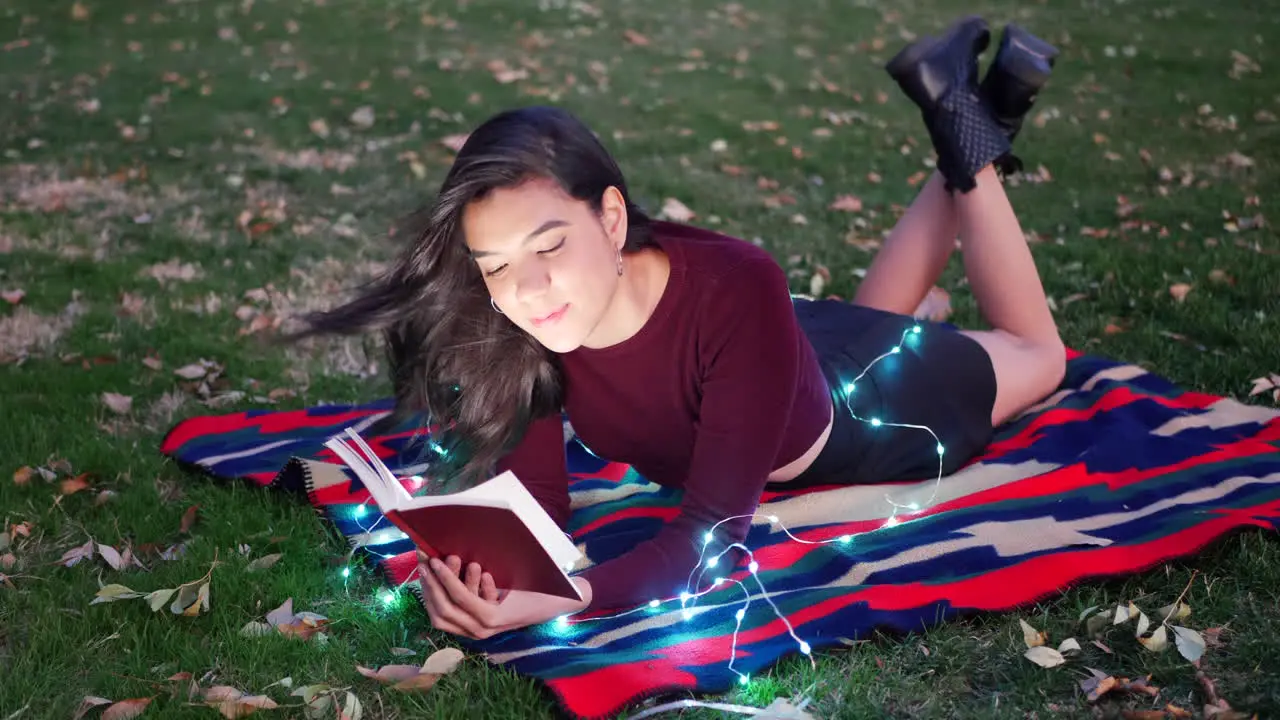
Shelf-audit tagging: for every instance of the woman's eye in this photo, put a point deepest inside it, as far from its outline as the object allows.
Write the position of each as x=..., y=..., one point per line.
x=553, y=249
x=494, y=272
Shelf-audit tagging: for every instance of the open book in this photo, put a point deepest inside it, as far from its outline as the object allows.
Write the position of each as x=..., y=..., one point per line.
x=497, y=524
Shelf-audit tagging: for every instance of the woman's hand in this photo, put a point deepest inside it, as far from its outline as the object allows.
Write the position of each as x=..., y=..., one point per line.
x=472, y=606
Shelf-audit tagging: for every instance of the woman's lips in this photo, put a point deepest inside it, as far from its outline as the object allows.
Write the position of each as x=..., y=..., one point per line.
x=551, y=318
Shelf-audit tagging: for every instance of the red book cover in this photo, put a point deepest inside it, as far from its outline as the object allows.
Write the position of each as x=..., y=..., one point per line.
x=496, y=538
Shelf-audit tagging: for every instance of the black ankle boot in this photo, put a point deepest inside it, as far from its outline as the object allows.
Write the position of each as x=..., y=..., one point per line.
x=940, y=75
x=1019, y=71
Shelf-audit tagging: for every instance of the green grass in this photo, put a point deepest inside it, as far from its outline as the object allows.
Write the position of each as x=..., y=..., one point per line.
x=1150, y=79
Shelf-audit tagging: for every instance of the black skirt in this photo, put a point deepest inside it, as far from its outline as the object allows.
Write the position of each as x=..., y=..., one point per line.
x=939, y=379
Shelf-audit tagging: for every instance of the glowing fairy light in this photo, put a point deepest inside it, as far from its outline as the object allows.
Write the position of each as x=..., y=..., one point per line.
x=688, y=600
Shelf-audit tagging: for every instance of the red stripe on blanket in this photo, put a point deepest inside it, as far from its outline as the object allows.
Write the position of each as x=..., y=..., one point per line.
x=596, y=693
x=663, y=513
x=267, y=424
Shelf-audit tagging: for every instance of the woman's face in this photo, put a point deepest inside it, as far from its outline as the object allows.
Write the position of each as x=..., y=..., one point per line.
x=549, y=261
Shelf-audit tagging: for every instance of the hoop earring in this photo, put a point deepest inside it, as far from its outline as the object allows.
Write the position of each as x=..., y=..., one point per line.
x=619, y=263
x=494, y=305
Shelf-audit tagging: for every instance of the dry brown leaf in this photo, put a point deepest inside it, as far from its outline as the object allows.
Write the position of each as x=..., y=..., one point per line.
x=390, y=674
x=1030, y=636
x=153, y=362
x=126, y=709
x=22, y=475
x=443, y=661
x=454, y=142
x=635, y=38
x=676, y=211
x=1044, y=656
x=194, y=371
x=264, y=562
x=73, y=556
x=112, y=556
x=421, y=681
x=188, y=519
x=13, y=297
x=88, y=703
x=74, y=485
x=846, y=203
x=1158, y=641
x=117, y=403
x=1179, y=291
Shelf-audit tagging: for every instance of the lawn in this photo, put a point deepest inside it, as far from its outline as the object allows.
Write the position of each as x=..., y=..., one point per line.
x=180, y=177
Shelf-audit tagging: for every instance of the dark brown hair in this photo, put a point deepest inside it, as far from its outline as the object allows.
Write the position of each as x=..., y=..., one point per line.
x=468, y=369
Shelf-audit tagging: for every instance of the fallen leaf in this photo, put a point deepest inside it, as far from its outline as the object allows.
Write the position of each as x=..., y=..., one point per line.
x=157, y=598
x=319, y=127
x=1158, y=640
x=79, y=11
x=1044, y=656
x=74, y=485
x=1169, y=612
x=1179, y=291
x=88, y=703
x=188, y=519
x=676, y=211
x=13, y=297
x=112, y=556
x=846, y=203
x=390, y=674
x=126, y=709
x=75, y=555
x=1189, y=642
x=454, y=142
x=264, y=562
x=363, y=117
x=22, y=475
x=194, y=371
x=1031, y=636
x=443, y=661
x=1124, y=613
x=401, y=652
x=1177, y=712
x=113, y=592
x=1068, y=645
x=192, y=598
x=635, y=38
x=1097, y=684
x=117, y=403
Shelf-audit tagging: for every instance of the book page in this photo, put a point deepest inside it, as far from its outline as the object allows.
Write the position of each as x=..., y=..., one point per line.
x=369, y=477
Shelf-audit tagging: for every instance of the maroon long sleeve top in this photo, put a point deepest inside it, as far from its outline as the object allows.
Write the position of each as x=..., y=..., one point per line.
x=719, y=388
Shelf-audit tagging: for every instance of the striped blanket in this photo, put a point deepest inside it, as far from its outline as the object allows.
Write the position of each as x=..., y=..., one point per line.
x=1117, y=472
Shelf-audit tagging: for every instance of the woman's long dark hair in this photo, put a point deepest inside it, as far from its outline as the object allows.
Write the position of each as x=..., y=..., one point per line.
x=474, y=374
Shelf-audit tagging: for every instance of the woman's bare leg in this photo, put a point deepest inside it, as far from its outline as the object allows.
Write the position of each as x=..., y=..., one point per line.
x=914, y=254
x=1025, y=347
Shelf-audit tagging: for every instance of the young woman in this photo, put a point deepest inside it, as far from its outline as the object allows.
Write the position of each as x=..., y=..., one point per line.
x=535, y=285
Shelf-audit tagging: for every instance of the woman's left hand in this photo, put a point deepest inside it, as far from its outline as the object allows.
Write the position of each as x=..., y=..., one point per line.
x=475, y=609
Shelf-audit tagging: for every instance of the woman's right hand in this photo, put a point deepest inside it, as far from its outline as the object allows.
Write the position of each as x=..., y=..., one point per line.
x=475, y=578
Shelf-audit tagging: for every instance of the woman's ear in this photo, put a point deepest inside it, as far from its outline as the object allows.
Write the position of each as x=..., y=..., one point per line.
x=613, y=216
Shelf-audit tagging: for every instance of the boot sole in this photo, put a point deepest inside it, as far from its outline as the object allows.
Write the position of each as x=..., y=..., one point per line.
x=911, y=55
x=1027, y=58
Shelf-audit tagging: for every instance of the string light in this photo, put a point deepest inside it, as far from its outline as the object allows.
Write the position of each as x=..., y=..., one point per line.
x=688, y=600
